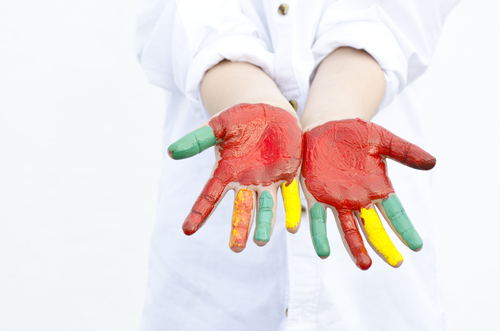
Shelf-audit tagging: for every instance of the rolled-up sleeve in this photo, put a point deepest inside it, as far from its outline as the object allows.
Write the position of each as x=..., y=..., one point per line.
x=178, y=41
x=400, y=35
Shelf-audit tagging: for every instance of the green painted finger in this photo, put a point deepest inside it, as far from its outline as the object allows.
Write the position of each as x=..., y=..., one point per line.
x=401, y=222
x=318, y=230
x=264, y=217
x=192, y=143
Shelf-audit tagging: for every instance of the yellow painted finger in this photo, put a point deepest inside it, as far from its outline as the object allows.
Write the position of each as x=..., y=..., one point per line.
x=291, y=199
x=243, y=206
x=378, y=237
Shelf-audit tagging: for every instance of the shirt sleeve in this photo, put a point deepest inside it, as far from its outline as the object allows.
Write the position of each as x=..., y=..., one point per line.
x=178, y=41
x=400, y=35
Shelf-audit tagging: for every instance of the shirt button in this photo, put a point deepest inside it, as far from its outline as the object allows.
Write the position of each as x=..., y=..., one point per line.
x=286, y=312
x=294, y=104
x=283, y=9
x=303, y=210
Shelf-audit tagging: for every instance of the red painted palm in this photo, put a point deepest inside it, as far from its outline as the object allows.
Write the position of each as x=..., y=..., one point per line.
x=258, y=144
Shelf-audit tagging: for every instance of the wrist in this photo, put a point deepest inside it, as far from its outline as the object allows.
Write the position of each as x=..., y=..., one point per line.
x=231, y=83
x=283, y=106
x=349, y=83
x=311, y=120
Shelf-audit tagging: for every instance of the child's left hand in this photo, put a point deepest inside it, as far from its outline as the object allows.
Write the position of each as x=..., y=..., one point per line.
x=344, y=169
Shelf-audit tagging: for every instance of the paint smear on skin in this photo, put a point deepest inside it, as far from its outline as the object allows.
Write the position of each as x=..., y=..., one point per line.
x=318, y=230
x=378, y=237
x=192, y=143
x=264, y=217
x=291, y=199
x=243, y=206
x=260, y=144
x=401, y=222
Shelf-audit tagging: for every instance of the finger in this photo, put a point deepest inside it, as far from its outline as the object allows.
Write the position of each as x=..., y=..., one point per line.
x=204, y=205
x=353, y=239
x=317, y=223
x=393, y=211
x=192, y=143
x=405, y=152
x=318, y=230
x=378, y=238
x=264, y=219
x=293, y=207
x=242, y=217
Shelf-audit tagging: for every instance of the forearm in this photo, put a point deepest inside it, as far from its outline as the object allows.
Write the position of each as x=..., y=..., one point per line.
x=230, y=83
x=349, y=83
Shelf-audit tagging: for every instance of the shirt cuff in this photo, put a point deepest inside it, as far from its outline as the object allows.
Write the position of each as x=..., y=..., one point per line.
x=364, y=30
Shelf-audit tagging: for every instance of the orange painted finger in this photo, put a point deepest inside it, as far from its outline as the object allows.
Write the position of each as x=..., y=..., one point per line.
x=242, y=216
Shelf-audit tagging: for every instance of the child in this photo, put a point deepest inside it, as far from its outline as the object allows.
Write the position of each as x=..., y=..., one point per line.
x=311, y=66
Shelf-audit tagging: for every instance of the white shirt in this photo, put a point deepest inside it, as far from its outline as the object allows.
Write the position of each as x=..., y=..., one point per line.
x=197, y=282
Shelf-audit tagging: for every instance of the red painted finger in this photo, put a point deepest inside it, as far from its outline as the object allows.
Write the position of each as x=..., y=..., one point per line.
x=354, y=240
x=403, y=151
x=204, y=205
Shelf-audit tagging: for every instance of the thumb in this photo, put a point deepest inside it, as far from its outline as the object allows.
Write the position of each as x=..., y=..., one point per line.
x=193, y=143
x=403, y=151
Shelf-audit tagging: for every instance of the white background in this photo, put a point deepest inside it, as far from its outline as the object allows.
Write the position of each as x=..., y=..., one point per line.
x=80, y=131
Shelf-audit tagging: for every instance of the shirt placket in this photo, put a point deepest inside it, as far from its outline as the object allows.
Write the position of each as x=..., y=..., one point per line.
x=303, y=265
x=283, y=17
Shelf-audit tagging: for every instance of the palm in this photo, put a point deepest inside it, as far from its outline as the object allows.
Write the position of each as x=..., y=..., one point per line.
x=353, y=173
x=257, y=144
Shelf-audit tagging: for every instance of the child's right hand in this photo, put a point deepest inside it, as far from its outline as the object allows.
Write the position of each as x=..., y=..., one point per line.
x=258, y=149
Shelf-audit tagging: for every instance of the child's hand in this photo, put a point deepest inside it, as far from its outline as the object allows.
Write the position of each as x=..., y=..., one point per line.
x=258, y=148
x=344, y=169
